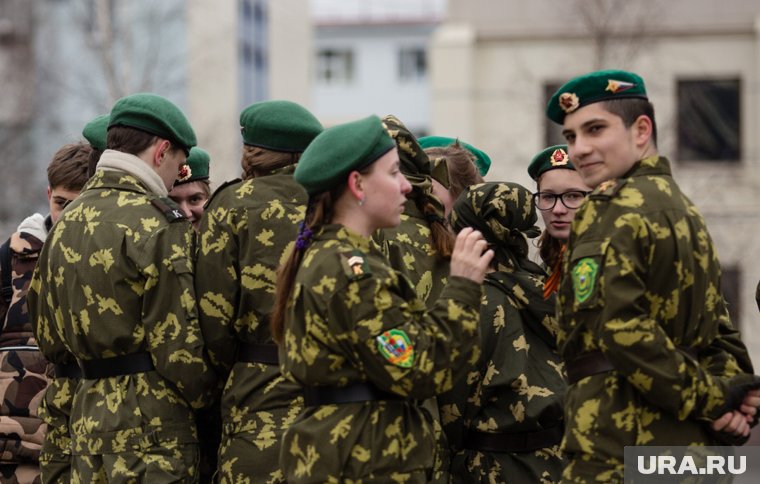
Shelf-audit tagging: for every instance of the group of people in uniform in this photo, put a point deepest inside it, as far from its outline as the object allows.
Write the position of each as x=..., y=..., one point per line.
x=362, y=306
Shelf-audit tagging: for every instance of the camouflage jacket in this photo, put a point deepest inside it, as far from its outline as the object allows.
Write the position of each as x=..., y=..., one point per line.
x=515, y=386
x=410, y=251
x=248, y=229
x=642, y=276
x=354, y=319
x=116, y=278
x=24, y=370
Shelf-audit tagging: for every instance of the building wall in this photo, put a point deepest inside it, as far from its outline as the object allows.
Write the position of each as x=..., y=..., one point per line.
x=496, y=101
x=375, y=87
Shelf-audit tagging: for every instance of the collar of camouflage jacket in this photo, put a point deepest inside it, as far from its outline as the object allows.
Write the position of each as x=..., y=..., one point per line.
x=117, y=161
x=340, y=232
x=653, y=165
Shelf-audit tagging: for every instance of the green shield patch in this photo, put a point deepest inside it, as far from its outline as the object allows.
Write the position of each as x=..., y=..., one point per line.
x=584, y=278
x=396, y=347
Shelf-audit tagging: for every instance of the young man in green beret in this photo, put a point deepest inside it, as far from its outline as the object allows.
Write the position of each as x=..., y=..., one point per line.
x=192, y=190
x=650, y=352
x=247, y=228
x=23, y=369
x=114, y=292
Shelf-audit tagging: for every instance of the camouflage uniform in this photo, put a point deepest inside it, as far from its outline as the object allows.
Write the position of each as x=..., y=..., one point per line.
x=410, y=251
x=514, y=390
x=115, y=279
x=24, y=370
x=348, y=305
x=642, y=277
x=248, y=228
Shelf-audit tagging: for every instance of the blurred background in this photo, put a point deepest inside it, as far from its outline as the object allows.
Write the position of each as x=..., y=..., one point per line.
x=480, y=70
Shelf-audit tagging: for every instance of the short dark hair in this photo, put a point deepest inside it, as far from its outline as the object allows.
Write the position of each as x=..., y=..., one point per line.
x=629, y=110
x=68, y=168
x=132, y=141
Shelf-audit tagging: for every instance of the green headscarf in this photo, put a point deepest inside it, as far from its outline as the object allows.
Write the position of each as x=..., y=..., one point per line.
x=505, y=215
x=415, y=164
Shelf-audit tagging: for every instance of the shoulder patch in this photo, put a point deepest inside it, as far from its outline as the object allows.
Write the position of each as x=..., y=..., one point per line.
x=608, y=189
x=169, y=208
x=355, y=265
x=396, y=347
x=222, y=187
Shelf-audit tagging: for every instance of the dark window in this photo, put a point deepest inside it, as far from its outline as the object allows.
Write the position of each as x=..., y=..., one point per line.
x=412, y=64
x=552, y=131
x=335, y=65
x=709, y=120
x=731, y=287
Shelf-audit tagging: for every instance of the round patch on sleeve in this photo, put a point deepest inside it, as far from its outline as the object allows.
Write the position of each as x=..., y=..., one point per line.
x=584, y=278
x=396, y=347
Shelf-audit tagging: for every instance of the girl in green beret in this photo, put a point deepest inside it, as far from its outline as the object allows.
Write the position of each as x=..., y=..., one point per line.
x=192, y=190
x=352, y=331
x=560, y=191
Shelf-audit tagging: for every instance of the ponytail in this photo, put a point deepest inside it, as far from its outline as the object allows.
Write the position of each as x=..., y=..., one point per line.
x=319, y=212
x=441, y=236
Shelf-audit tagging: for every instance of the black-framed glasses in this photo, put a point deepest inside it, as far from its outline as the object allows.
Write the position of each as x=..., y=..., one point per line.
x=571, y=199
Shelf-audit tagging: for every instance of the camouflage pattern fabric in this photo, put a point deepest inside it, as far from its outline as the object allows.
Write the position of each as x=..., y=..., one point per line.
x=347, y=305
x=410, y=251
x=516, y=385
x=642, y=276
x=23, y=370
x=247, y=231
x=116, y=278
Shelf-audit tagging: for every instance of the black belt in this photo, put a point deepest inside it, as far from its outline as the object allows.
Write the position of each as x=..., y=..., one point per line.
x=116, y=366
x=258, y=353
x=67, y=370
x=356, y=392
x=512, y=442
x=594, y=362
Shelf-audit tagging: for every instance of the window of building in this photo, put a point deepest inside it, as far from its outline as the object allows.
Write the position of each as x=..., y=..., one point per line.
x=709, y=120
x=412, y=64
x=552, y=131
x=335, y=65
x=731, y=287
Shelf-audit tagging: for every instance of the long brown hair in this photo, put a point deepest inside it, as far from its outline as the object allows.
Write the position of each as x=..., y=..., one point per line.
x=257, y=161
x=550, y=249
x=441, y=237
x=319, y=212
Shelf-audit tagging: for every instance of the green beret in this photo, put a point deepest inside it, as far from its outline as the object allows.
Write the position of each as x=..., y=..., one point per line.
x=339, y=150
x=594, y=87
x=155, y=115
x=482, y=160
x=96, y=132
x=550, y=158
x=195, y=168
x=279, y=126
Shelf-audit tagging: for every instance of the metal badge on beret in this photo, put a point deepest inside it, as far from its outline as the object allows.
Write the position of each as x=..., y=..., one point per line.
x=559, y=157
x=615, y=86
x=184, y=173
x=569, y=102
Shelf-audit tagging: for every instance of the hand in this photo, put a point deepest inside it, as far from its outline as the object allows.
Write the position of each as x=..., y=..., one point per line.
x=470, y=258
x=734, y=422
x=750, y=404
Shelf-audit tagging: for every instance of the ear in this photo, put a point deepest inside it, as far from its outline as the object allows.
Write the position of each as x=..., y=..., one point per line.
x=642, y=130
x=49, y=193
x=162, y=148
x=355, y=185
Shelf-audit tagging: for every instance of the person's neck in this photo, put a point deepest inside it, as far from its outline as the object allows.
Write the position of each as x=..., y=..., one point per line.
x=355, y=223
